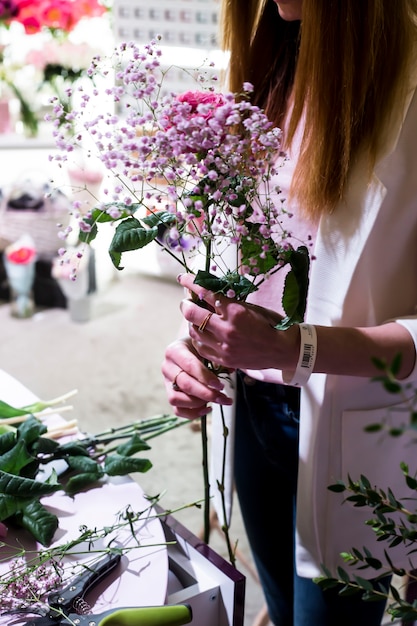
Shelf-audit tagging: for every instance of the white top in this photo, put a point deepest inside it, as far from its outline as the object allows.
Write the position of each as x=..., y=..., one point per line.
x=364, y=274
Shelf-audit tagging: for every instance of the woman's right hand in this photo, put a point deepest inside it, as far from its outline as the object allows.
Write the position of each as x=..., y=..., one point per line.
x=191, y=386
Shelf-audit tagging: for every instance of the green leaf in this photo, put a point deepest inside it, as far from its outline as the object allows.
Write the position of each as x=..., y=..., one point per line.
x=130, y=235
x=252, y=248
x=31, y=429
x=102, y=216
x=80, y=481
x=364, y=583
x=379, y=363
x=233, y=281
x=348, y=590
x=392, y=387
x=117, y=465
x=44, y=445
x=7, y=440
x=326, y=583
x=21, y=487
x=158, y=218
x=337, y=487
x=342, y=574
x=132, y=446
x=88, y=236
x=373, y=428
x=84, y=464
x=10, y=505
x=16, y=458
x=6, y=411
x=72, y=448
x=40, y=522
x=294, y=298
x=116, y=258
x=28, y=117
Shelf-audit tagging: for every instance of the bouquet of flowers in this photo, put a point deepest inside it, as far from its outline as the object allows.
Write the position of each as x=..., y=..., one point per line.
x=198, y=166
x=191, y=172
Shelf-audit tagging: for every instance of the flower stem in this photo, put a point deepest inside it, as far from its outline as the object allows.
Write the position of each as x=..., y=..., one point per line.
x=206, y=479
x=204, y=439
x=221, y=487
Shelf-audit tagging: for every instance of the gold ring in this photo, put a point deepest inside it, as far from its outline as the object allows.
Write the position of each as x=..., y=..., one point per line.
x=174, y=382
x=205, y=321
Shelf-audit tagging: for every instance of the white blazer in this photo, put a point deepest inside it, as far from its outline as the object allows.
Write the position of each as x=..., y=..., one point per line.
x=364, y=274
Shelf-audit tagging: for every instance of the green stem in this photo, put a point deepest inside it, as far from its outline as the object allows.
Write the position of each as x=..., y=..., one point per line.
x=29, y=119
x=166, y=429
x=204, y=440
x=206, y=479
x=137, y=426
x=221, y=487
x=146, y=437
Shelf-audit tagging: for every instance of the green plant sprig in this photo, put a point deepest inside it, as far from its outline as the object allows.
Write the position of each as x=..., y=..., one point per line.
x=393, y=520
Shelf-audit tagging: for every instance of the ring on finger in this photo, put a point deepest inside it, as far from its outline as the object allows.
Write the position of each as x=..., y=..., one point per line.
x=175, y=385
x=205, y=321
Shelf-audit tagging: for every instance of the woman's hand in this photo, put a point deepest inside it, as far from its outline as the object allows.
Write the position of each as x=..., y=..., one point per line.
x=237, y=334
x=190, y=385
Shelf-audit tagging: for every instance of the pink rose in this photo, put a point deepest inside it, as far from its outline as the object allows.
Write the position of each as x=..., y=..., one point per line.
x=195, y=98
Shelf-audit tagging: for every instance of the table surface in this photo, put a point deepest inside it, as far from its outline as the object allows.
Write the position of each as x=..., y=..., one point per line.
x=141, y=578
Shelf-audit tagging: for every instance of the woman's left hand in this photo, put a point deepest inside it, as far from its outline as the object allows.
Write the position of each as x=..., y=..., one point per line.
x=237, y=334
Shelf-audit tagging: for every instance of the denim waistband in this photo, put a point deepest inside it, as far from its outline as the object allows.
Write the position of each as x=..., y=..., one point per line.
x=284, y=393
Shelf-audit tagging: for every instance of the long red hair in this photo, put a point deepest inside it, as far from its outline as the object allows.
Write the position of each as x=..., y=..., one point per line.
x=345, y=67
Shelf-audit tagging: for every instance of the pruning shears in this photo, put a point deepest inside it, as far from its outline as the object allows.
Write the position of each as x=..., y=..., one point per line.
x=68, y=605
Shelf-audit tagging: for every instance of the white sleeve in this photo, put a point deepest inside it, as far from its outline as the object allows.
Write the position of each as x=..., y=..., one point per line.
x=410, y=323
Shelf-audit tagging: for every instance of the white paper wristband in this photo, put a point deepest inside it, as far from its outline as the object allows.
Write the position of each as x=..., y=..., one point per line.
x=306, y=359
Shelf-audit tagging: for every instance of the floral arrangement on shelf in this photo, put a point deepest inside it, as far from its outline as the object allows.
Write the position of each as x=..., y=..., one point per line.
x=54, y=15
x=194, y=173
x=38, y=57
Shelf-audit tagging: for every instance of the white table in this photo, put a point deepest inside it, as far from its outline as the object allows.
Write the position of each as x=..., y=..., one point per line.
x=185, y=571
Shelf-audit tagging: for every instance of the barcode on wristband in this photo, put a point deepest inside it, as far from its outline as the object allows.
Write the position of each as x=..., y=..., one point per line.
x=308, y=354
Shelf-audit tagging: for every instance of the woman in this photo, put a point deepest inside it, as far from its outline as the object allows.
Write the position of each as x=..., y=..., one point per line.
x=339, y=77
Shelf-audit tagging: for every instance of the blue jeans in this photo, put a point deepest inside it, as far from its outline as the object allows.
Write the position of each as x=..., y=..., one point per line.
x=266, y=465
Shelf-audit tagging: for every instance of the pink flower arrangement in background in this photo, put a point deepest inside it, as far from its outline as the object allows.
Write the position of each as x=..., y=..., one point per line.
x=63, y=53
x=42, y=52
x=36, y=15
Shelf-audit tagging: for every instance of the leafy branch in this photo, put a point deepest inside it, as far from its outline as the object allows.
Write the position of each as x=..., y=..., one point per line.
x=393, y=520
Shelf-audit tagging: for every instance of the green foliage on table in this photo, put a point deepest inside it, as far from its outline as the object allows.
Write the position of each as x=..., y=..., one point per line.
x=26, y=455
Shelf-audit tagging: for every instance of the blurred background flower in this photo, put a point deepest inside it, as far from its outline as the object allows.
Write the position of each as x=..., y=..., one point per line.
x=44, y=50
x=52, y=15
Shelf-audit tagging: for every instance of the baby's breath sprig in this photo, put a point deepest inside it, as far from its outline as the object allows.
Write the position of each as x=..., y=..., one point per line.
x=33, y=574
